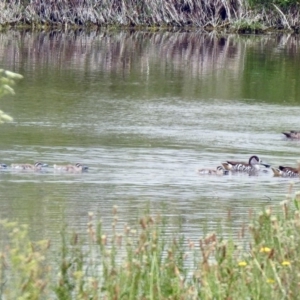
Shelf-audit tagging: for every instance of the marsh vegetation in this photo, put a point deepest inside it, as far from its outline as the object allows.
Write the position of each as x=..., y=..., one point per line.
x=234, y=15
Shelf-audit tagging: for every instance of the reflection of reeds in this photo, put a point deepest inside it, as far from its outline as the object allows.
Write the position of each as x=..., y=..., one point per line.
x=204, y=13
x=210, y=63
x=121, y=53
x=193, y=53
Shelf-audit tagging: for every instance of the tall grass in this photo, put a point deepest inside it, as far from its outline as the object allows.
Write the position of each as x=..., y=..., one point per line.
x=171, y=13
x=144, y=262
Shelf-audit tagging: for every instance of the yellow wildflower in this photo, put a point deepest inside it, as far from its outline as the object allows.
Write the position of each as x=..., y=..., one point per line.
x=269, y=280
x=265, y=249
x=242, y=264
x=285, y=263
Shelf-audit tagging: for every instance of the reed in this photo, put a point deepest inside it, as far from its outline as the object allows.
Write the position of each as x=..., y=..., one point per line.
x=210, y=14
x=143, y=261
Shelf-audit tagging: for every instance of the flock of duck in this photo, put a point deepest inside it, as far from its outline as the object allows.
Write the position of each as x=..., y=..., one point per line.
x=254, y=165
x=38, y=167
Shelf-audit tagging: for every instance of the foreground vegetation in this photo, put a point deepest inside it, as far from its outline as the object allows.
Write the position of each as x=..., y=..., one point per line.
x=144, y=262
x=234, y=15
x=7, y=80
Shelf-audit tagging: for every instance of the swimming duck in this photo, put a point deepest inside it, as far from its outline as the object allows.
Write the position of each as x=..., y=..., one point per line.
x=218, y=171
x=286, y=171
x=38, y=166
x=292, y=134
x=252, y=166
x=3, y=166
x=71, y=168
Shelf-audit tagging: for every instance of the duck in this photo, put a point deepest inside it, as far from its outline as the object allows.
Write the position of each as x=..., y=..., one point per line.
x=253, y=165
x=219, y=170
x=38, y=166
x=3, y=166
x=292, y=134
x=282, y=171
x=70, y=168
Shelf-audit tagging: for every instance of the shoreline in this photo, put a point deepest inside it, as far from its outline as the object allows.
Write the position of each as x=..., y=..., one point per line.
x=207, y=29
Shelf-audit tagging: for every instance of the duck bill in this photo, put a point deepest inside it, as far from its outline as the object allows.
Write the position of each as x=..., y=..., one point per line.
x=266, y=165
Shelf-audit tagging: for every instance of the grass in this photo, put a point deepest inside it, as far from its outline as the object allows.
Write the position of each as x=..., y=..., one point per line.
x=247, y=26
x=144, y=262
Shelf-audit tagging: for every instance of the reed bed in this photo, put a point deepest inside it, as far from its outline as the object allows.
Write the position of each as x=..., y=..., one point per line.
x=235, y=15
x=144, y=261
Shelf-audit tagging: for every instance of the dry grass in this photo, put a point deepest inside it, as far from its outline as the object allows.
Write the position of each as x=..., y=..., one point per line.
x=172, y=13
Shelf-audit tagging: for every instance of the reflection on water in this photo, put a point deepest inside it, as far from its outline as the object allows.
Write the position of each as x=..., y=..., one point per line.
x=144, y=111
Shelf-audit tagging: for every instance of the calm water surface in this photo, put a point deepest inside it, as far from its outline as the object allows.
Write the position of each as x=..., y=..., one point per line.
x=144, y=111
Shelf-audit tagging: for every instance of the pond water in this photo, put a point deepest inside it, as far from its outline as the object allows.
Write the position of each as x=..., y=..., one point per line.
x=144, y=111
